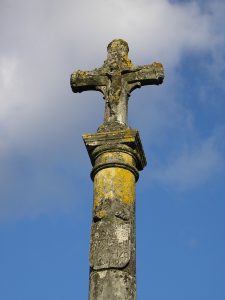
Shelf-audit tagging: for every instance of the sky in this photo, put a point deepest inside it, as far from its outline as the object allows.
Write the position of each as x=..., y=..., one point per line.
x=45, y=187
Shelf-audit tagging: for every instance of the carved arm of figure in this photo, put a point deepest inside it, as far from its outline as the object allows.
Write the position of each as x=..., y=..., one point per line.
x=146, y=74
x=87, y=80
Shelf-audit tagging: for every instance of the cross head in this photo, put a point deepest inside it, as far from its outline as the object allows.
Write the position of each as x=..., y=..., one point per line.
x=116, y=79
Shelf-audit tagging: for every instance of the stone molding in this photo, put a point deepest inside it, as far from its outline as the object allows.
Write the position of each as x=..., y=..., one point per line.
x=122, y=141
x=114, y=164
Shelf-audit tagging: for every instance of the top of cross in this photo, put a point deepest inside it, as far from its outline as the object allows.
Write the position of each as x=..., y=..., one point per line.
x=116, y=79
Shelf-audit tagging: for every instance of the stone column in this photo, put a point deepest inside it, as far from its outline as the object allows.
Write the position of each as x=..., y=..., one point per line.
x=116, y=156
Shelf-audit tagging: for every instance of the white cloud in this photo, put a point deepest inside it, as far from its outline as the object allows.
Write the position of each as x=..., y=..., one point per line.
x=49, y=41
x=42, y=42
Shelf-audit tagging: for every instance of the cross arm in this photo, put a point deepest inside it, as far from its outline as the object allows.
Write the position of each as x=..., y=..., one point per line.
x=87, y=80
x=145, y=75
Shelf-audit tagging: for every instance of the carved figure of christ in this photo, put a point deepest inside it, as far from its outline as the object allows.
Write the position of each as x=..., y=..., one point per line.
x=116, y=79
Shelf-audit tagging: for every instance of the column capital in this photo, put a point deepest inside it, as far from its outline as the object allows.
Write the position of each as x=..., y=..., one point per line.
x=127, y=141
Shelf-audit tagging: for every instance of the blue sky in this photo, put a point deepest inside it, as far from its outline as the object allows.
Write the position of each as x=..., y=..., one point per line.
x=45, y=188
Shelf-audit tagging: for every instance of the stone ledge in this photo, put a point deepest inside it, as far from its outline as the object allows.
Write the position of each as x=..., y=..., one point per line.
x=112, y=141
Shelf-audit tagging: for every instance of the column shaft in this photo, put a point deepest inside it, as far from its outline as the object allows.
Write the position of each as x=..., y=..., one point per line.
x=113, y=234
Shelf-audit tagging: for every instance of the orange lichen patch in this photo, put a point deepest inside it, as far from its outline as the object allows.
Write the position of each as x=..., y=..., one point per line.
x=101, y=214
x=126, y=60
x=82, y=74
x=157, y=65
x=114, y=183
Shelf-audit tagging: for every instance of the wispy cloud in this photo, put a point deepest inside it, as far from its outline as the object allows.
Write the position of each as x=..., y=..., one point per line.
x=193, y=165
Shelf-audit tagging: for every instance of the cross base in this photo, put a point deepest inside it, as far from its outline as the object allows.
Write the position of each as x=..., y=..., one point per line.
x=112, y=126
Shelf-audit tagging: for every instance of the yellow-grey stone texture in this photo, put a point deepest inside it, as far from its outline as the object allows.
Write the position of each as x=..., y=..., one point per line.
x=117, y=157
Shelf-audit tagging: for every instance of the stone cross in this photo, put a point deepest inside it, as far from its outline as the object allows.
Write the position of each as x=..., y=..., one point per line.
x=116, y=79
x=117, y=157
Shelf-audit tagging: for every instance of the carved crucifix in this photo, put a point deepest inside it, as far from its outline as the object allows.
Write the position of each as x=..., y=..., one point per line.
x=116, y=79
x=117, y=157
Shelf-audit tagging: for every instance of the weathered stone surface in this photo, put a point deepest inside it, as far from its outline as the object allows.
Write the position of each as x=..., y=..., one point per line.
x=110, y=244
x=116, y=79
x=116, y=154
x=112, y=285
x=114, y=183
x=115, y=157
x=109, y=208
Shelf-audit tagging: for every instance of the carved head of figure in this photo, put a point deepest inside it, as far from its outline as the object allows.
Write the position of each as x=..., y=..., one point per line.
x=118, y=55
